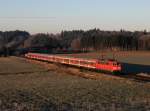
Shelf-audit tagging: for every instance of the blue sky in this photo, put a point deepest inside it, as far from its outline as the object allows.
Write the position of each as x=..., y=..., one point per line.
x=54, y=16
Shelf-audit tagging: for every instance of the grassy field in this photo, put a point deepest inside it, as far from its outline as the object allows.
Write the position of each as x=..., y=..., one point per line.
x=31, y=87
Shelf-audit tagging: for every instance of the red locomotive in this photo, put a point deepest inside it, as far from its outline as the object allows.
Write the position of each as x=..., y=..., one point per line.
x=101, y=65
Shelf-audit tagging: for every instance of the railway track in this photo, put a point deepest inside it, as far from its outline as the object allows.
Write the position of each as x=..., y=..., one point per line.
x=133, y=77
x=139, y=78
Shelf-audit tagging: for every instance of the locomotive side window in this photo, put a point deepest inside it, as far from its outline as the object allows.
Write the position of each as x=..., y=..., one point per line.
x=114, y=64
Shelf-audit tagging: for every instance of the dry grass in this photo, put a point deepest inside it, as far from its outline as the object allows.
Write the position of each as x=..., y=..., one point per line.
x=53, y=90
x=13, y=65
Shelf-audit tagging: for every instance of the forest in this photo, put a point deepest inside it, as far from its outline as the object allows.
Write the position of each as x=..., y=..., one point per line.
x=19, y=42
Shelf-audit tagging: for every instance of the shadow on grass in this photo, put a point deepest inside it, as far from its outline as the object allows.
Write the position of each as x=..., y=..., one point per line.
x=135, y=68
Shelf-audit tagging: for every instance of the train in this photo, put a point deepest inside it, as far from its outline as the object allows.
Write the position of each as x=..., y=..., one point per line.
x=102, y=65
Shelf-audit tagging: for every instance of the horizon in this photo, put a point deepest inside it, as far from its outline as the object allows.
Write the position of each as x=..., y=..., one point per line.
x=76, y=30
x=48, y=16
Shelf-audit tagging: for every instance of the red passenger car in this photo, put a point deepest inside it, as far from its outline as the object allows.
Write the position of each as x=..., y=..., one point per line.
x=101, y=65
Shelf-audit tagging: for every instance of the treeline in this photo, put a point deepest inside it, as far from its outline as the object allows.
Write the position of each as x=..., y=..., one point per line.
x=13, y=42
x=113, y=40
